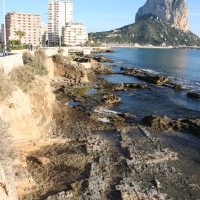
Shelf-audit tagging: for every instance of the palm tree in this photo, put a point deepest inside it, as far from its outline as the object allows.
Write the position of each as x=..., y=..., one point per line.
x=20, y=34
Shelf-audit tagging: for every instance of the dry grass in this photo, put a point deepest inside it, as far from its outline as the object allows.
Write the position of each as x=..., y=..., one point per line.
x=61, y=51
x=6, y=86
x=36, y=62
x=23, y=76
x=59, y=58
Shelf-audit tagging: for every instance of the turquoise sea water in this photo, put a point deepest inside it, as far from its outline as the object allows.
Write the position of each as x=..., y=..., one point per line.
x=183, y=66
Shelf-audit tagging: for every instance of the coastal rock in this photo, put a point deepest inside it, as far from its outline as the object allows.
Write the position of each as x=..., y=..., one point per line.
x=171, y=11
x=153, y=78
x=164, y=123
x=102, y=59
x=73, y=73
x=194, y=94
x=102, y=50
x=99, y=68
x=111, y=99
x=157, y=123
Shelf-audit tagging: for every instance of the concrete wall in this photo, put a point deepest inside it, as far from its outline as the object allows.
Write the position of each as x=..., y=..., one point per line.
x=14, y=59
x=11, y=61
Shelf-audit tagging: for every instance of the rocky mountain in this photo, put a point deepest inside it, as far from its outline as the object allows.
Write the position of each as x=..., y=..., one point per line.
x=173, y=12
x=148, y=31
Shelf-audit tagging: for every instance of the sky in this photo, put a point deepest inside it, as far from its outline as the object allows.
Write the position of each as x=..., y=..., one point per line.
x=98, y=15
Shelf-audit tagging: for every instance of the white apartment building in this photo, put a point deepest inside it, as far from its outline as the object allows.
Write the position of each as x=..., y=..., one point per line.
x=74, y=34
x=28, y=23
x=60, y=12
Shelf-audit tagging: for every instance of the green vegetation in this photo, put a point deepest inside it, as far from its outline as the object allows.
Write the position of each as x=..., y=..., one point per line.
x=148, y=31
x=20, y=34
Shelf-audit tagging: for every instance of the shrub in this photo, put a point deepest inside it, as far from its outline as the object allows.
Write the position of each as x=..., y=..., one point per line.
x=39, y=54
x=6, y=86
x=27, y=58
x=58, y=58
x=37, y=62
x=61, y=51
x=23, y=76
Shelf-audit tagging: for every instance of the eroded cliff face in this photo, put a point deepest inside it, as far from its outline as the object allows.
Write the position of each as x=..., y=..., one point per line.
x=174, y=12
x=28, y=119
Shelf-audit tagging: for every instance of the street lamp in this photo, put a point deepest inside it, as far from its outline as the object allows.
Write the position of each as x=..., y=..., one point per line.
x=4, y=23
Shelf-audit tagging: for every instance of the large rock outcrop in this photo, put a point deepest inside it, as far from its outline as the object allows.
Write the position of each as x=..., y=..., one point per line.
x=171, y=11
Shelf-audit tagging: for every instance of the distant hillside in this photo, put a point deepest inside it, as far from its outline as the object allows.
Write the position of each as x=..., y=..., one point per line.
x=148, y=31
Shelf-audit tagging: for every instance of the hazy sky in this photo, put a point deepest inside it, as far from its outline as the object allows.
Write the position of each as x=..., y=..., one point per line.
x=99, y=15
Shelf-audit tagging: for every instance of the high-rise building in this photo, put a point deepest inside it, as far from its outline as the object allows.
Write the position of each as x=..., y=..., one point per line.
x=27, y=23
x=74, y=34
x=60, y=12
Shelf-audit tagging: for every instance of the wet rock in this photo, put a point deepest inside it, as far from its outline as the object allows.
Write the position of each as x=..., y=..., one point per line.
x=125, y=68
x=127, y=115
x=135, y=85
x=100, y=50
x=194, y=94
x=99, y=68
x=164, y=123
x=177, y=87
x=131, y=70
x=111, y=99
x=157, y=123
x=153, y=78
x=193, y=124
x=102, y=59
x=82, y=59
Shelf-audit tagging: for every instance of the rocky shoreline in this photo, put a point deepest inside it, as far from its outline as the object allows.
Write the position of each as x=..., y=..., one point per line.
x=106, y=155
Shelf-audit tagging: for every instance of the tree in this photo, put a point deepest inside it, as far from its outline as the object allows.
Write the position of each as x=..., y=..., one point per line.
x=20, y=34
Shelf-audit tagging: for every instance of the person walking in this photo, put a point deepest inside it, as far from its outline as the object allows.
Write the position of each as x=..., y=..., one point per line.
x=29, y=46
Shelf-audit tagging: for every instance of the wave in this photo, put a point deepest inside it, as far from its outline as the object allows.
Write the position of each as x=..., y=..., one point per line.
x=104, y=110
x=186, y=84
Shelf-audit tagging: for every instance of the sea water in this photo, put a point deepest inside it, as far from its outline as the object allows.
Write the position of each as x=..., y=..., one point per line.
x=181, y=65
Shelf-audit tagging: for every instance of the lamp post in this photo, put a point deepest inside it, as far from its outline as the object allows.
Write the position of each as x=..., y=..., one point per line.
x=4, y=23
